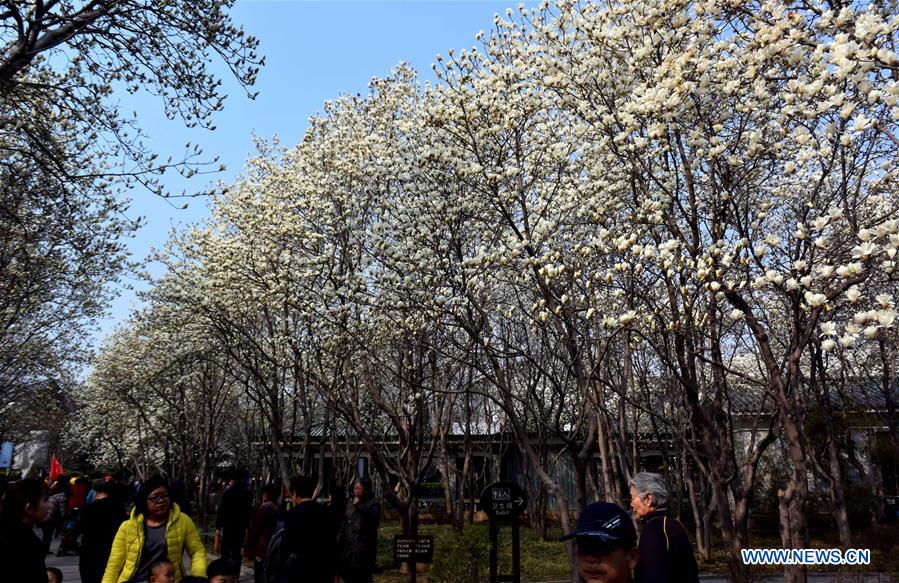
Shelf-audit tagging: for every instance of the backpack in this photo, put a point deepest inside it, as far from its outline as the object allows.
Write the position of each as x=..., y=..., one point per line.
x=273, y=565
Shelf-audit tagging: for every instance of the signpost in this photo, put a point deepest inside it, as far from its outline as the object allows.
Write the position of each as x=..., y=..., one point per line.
x=504, y=502
x=412, y=550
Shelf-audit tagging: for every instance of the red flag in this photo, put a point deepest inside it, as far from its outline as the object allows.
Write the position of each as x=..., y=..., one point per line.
x=55, y=468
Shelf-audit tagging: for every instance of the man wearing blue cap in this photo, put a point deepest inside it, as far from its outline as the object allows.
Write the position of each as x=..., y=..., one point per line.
x=606, y=544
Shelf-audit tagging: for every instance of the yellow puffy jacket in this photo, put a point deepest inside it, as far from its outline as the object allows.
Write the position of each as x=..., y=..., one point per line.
x=180, y=533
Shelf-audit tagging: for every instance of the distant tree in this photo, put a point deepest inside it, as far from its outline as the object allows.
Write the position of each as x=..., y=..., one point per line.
x=61, y=62
x=67, y=151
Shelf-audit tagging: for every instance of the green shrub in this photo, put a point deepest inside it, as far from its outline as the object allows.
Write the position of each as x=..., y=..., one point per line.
x=462, y=556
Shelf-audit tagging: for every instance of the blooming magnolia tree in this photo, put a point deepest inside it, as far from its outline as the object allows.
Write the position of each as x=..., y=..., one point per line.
x=69, y=153
x=608, y=221
x=157, y=400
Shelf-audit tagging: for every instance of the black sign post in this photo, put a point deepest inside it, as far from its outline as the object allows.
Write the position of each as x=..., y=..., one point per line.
x=413, y=549
x=504, y=502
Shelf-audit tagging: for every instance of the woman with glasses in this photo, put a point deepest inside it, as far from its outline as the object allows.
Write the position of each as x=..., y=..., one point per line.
x=157, y=530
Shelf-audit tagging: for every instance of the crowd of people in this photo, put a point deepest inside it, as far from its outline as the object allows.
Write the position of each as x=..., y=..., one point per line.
x=609, y=551
x=139, y=532
x=299, y=540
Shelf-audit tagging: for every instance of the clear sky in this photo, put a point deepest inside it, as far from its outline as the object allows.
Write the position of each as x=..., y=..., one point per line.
x=315, y=51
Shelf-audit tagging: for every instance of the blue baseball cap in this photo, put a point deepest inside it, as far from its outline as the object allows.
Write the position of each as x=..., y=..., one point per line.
x=605, y=523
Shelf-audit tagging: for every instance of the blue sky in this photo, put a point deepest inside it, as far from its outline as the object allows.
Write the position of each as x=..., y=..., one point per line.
x=315, y=50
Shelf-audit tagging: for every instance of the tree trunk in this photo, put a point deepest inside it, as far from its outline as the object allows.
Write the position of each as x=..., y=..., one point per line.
x=792, y=500
x=821, y=388
x=696, y=507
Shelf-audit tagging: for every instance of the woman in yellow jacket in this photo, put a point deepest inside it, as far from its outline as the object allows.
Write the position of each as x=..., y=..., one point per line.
x=156, y=531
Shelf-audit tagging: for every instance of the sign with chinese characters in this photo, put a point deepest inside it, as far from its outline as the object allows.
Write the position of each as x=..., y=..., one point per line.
x=503, y=500
x=413, y=549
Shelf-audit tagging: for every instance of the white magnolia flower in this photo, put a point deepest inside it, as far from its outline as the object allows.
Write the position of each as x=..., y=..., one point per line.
x=853, y=293
x=828, y=329
x=862, y=122
x=885, y=300
x=825, y=270
x=736, y=314
x=828, y=345
x=847, y=341
x=886, y=317
x=864, y=251
x=886, y=228
x=815, y=300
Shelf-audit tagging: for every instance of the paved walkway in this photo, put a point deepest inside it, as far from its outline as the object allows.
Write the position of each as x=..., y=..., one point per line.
x=69, y=566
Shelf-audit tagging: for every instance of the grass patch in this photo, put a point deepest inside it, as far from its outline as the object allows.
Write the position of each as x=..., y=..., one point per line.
x=540, y=560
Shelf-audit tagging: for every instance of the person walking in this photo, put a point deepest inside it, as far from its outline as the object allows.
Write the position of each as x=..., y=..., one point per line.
x=263, y=526
x=79, y=488
x=22, y=553
x=358, y=541
x=309, y=544
x=233, y=518
x=57, y=512
x=157, y=530
x=666, y=555
x=100, y=521
x=606, y=544
x=179, y=497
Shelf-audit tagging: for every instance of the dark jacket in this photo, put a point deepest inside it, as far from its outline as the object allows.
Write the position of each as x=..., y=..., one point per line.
x=22, y=554
x=261, y=530
x=666, y=555
x=309, y=545
x=359, y=534
x=100, y=521
x=234, y=510
x=59, y=509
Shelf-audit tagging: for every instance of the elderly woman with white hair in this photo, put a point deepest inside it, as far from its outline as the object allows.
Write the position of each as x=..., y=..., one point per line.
x=666, y=555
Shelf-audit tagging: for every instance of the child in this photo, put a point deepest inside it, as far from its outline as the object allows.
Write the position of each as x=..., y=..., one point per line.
x=223, y=570
x=162, y=572
x=54, y=575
